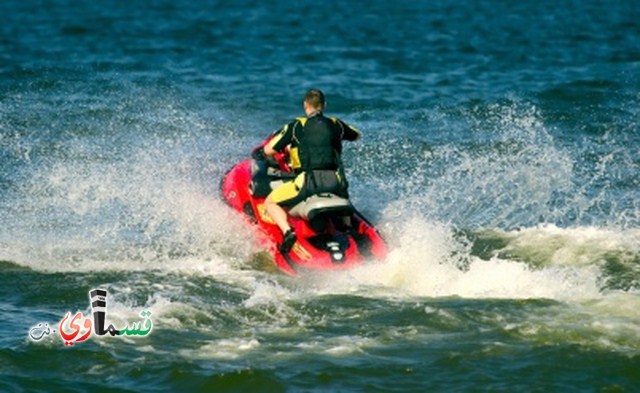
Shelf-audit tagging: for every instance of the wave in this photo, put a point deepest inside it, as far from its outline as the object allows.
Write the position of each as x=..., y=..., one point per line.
x=135, y=188
x=435, y=260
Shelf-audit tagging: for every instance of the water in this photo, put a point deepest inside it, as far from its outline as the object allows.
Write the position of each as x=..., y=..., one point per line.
x=499, y=159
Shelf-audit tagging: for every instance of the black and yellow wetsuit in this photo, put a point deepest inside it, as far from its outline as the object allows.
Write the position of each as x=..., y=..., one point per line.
x=315, y=149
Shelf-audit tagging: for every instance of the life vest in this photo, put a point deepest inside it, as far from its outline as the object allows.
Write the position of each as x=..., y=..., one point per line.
x=317, y=144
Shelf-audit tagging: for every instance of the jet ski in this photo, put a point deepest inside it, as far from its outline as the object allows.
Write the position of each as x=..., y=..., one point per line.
x=331, y=233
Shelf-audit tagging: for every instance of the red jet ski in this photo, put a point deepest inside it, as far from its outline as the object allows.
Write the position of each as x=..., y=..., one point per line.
x=331, y=233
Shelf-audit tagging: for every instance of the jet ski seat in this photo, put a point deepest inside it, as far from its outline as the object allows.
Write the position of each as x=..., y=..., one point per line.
x=320, y=204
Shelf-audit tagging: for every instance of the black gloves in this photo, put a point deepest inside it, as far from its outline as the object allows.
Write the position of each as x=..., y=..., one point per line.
x=258, y=154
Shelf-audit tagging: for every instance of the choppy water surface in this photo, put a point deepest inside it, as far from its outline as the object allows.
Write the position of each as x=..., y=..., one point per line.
x=499, y=159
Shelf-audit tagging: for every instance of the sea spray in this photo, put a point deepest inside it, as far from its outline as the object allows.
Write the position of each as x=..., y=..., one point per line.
x=498, y=157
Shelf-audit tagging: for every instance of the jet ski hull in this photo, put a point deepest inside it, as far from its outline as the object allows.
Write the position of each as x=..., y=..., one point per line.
x=336, y=237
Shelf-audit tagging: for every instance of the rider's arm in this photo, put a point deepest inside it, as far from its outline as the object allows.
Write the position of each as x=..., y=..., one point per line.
x=268, y=150
x=280, y=140
x=349, y=133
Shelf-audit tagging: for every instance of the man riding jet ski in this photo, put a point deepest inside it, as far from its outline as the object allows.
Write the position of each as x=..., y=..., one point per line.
x=295, y=189
x=315, y=147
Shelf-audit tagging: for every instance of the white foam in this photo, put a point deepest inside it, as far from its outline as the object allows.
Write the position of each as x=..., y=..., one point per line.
x=428, y=260
x=222, y=349
x=584, y=246
x=340, y=346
